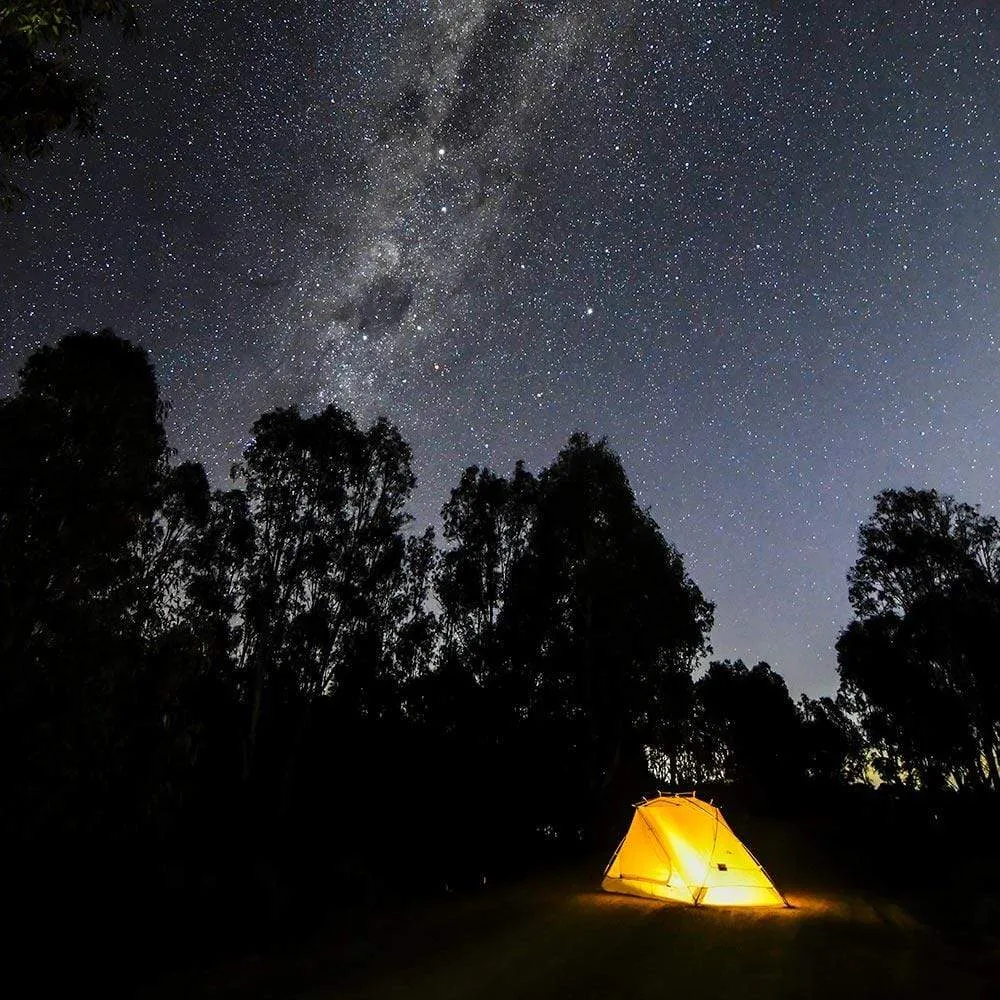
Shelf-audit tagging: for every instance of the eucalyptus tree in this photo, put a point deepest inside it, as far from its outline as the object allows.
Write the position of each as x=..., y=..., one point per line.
x=918, y=664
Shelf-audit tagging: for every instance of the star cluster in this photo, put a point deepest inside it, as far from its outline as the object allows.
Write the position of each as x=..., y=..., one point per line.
x=754, y=243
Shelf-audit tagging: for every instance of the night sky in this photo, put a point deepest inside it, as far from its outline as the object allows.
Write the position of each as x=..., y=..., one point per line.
x=756, y=244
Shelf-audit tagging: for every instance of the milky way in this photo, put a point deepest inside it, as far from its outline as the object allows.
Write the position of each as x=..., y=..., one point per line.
x=440, y=174
x=755, y=244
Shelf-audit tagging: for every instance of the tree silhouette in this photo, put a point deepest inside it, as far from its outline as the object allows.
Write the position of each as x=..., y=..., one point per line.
x=750, y=730
x=916, y=665
x=831, y=741
x=464, y=712
x=486, y=521
x=330, y=598
x=41, y=92
x=83, y=459
x=600, y=610
x=101, y=684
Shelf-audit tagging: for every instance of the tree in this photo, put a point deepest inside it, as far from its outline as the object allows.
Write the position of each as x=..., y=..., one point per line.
x=460, y=711
x=673, y=730
x=917, y=664
x=749, y=728
x=102, y=692
x=831, y=740
x=83, y=458
x=84, y=453
x=916, y=543
x=105, y=653
x=330, y=599
x=600, y=619
x=41, y=92
x=486, y=523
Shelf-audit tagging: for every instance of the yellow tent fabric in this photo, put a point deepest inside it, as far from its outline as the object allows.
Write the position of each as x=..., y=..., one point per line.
x=681, y=848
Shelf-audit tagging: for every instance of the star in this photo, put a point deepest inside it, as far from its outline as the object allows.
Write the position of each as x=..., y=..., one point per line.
x=777, y=223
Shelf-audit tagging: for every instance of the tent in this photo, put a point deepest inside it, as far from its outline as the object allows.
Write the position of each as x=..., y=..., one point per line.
x=681, y=848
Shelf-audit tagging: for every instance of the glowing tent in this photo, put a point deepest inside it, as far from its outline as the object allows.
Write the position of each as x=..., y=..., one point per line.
x=681, y=848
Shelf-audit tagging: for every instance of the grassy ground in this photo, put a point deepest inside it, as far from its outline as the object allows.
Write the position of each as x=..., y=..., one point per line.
x=556, y=936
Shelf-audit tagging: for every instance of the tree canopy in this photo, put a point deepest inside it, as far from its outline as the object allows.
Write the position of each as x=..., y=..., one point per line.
x=42, y=91
x=917, y=664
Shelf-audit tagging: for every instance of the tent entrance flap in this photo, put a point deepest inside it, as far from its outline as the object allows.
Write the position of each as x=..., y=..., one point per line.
x=678, y=847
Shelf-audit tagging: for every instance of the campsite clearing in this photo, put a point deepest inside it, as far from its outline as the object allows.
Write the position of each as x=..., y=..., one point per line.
x=560, y=936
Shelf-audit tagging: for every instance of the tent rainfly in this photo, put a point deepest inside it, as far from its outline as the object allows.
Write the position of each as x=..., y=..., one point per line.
x=681, y=848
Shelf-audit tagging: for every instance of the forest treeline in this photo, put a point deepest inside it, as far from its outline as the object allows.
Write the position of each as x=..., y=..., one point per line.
x=231, y=707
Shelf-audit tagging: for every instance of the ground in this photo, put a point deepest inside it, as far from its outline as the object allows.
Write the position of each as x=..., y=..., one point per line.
x=556, y=935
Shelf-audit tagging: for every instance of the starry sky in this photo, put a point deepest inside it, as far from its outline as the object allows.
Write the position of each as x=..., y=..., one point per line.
x=755, y=243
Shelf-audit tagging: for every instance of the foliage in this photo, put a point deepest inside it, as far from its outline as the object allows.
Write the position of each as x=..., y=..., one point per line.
x=486, y=523
x=601, y=618
x=832, y=743
x=113, y=724
x=918, y=663
x=41, y=91
x=749, y=729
